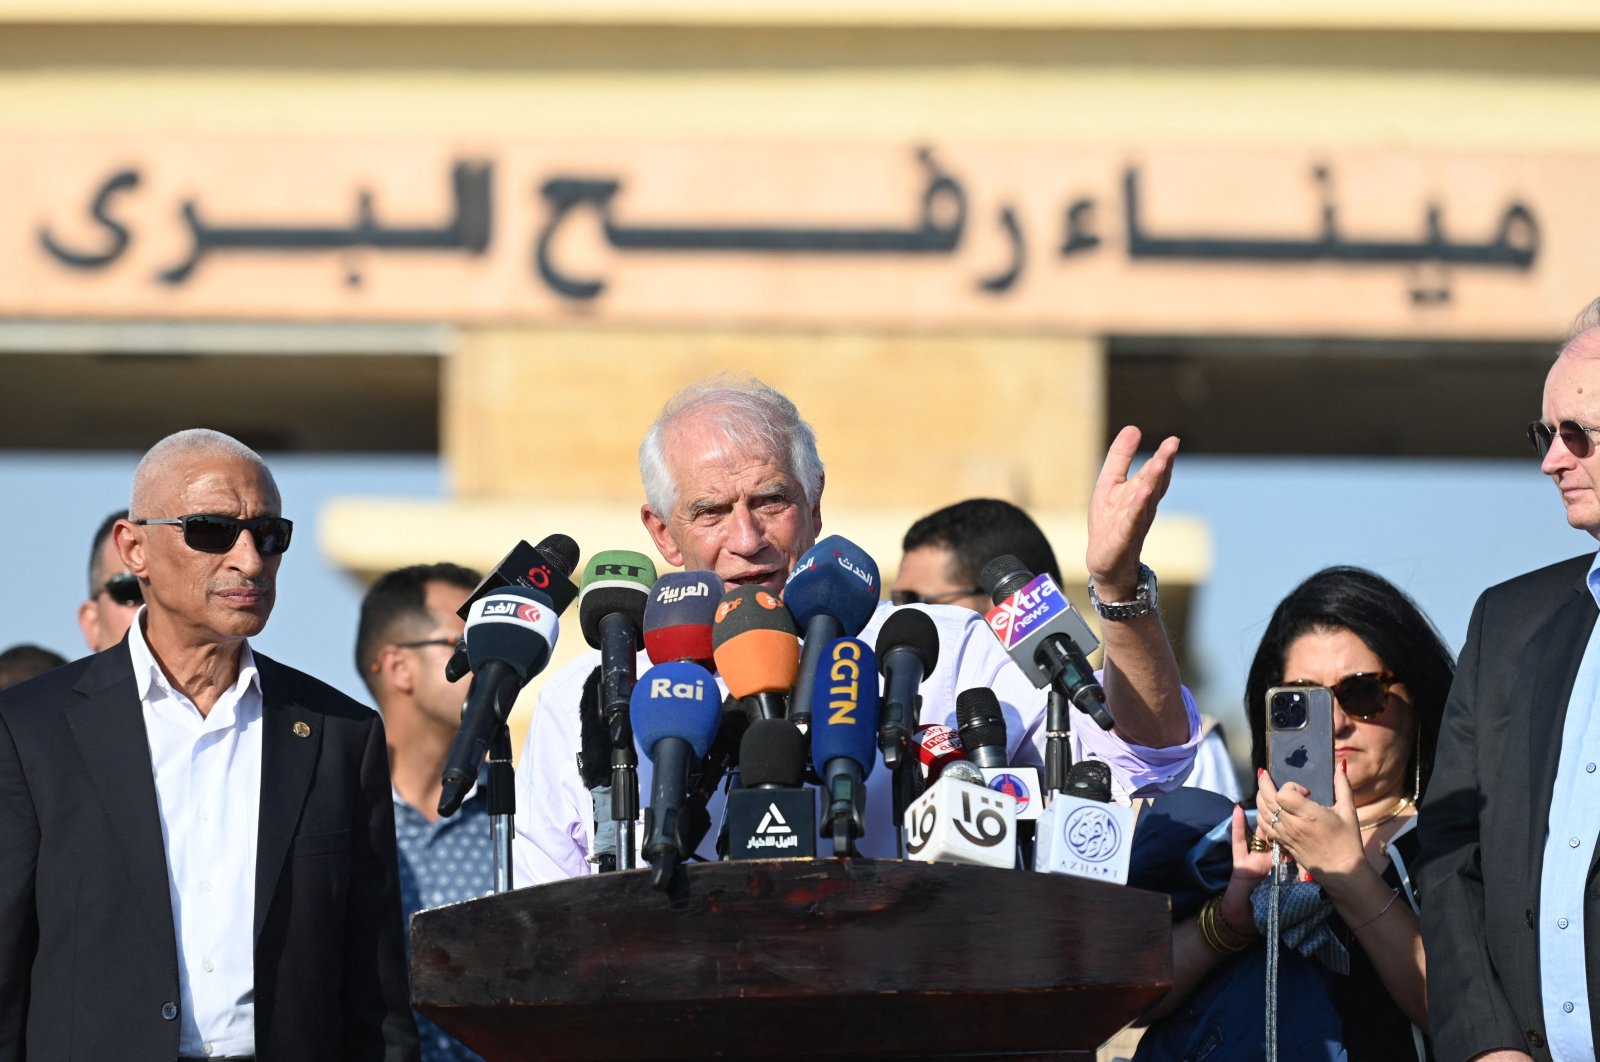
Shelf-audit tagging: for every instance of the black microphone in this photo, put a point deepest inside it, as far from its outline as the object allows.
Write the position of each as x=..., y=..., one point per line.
x=544, y=568
x=509, y=637
x=982, y=727
x=594, y=768
x=908, y=651
x=1043, y=633
x=772, y=814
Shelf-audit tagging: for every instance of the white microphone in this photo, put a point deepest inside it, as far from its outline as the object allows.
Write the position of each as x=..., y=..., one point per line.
x=1086, y=836
x=962, y=822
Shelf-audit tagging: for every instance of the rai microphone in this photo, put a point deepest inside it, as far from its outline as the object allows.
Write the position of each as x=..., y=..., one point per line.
x=756, y=650
x=908, y=651
x=675, y=710
x=509, y=636
x=831, y=593
x=844, y=725
x=546, y=568
x=1044, y=634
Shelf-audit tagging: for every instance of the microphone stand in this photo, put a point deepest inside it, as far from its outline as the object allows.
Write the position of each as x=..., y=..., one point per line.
x=502, y=805
x=618, y=646
x=1057, y=746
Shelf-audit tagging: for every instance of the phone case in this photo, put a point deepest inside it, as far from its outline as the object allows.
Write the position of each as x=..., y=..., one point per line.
x=1303, y=753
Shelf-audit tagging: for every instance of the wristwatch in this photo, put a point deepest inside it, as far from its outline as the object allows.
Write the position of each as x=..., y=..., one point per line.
x=1145, y=599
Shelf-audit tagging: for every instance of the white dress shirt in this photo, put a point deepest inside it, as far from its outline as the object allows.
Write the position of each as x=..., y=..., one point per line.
x=554, y=822
x=208, y=791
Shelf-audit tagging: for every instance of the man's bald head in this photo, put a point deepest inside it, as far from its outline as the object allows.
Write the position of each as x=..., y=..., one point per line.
x=153, y=479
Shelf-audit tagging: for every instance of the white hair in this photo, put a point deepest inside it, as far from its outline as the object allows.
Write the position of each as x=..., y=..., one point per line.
x=191, y=442
x=1583, y=331
x=753, y=417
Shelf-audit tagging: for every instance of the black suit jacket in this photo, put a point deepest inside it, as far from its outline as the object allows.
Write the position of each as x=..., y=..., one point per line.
x=88, y=952
x=1484, y=821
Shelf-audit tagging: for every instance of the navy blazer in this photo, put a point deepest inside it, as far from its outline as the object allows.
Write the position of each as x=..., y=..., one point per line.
x=88, y=952
x=1484, y=819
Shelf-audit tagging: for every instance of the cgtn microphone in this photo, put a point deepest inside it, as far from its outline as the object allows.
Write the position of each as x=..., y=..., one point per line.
x=831, y=593
x=1044, y=634
x=756, y=650
x=844, y=726
x=678, y=616
x=1082, y=833
x=675, y=710
x=509, y=636
x=772, y=815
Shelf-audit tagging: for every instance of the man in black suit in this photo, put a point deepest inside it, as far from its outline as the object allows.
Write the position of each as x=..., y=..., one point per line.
x=197, y=843
x=1510, y=909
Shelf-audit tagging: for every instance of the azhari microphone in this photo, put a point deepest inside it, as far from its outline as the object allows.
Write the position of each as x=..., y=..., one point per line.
x=908, y=651
x=844, y=726
x=1044, y=634
x=756, y=650
x=1082, y=832
x=677, y=618
x=772, y=815
x=831, y=593
x=509, y=636
x=675, y=710
x=546, y=568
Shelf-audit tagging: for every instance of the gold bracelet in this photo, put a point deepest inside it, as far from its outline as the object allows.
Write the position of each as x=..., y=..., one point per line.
x=1207, y=921
x=1226, y=928
x=1393, y=896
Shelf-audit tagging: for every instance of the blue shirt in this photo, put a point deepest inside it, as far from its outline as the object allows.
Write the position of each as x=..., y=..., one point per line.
x=1568, y=848
x=443, y=862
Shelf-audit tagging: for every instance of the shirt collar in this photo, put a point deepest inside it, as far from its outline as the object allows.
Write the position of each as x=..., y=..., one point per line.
x=1593, y=579
x=149, y=678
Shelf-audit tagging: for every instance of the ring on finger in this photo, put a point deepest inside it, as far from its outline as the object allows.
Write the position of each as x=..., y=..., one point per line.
x=1276, y=815
x=1259, y=844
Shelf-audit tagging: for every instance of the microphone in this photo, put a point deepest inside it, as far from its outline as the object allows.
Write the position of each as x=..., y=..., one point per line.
x=509, y=636
x=756, y=650
x=1082, y=833
x=908, y=651
x=675, y=711
x=982, y=727
x=1044, y=634
x=772, y=814
x=594, y=768
x=938, y=746
x=545, y=568
x=961, y=821
x=962, y=771
x=678, y=616
x=831, y=593
x=845, y=720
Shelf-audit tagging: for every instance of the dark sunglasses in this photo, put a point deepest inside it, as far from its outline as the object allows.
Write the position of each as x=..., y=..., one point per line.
x=123, y=588
x=1363, y=695
x=911, y=597
x=1574, y=436
x=211, y=533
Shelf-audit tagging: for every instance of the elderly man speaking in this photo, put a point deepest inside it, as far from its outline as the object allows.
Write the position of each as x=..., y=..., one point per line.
x=733, y=484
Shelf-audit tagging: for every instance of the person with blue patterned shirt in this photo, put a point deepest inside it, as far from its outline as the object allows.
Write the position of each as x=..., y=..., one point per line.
x=408, y=630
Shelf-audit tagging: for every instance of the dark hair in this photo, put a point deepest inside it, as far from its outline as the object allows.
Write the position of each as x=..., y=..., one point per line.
x=102, y=533
x=400, y=597
x=978, y=530
x=23, y=662
x=1382, y=616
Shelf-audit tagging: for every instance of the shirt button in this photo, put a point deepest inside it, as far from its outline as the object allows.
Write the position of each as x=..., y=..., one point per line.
x=169, y=1011
x=1562, y=922
x=1572, y=842
x=1589, y=767
x=1567, y=1007
x=205, y=1048
x=208, y=965
x=205, y=886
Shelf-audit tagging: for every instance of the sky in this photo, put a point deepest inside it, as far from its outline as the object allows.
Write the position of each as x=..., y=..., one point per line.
x=1442, y=530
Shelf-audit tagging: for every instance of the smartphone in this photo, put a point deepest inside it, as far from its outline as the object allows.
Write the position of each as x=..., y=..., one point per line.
x=1300, y=739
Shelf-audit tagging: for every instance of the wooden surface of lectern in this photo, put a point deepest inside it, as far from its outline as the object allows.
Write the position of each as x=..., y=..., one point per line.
x=795, y=959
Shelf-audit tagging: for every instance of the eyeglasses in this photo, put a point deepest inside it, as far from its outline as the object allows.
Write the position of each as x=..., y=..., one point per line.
x=448, y=642
x=123, y=588
x=1363, y=695
x=911, y=597
x=212, y=533
x=1574, y=436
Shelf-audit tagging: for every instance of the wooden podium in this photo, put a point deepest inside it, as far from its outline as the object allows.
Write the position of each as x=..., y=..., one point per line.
x=795, y=959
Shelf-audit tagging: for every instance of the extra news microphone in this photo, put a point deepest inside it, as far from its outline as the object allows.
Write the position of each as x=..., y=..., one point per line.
x=772, y=815
x=509, y=636
x=1044, y=634
x=908, y=651
x=756, y=650
x=1082, y=833
x=844, y=726
x=545, y=568
x=675, y=710
x=831, y=593
x=982, y=727
x=678, y=617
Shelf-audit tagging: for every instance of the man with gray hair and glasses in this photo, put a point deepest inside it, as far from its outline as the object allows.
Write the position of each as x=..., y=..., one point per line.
x=733, y=485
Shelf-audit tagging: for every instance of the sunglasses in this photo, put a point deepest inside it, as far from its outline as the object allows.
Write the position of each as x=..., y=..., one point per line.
x=1574, y=436
x=1363, y=695
x=911, y=597
x=211, y=533
x=123, y=588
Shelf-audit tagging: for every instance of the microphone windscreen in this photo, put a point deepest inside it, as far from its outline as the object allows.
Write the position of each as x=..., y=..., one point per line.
x=962, y=771
x=679, y=700
x=772, y=752
x=834, y=578
x=1004, y=576
x=514, y=625
x=754, y=643
x=847, y=724
x=909, y=628
x=526, y=566
x=979, y=719
x=594, y=758
x=561, y=552
x=846, y=680
x=678, y=616
x=616, y=580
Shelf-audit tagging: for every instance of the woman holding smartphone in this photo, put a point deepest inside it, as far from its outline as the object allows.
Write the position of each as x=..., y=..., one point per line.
x=1390, y=673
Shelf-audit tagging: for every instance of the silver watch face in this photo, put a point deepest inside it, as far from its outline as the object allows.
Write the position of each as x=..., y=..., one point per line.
x=1144, y=601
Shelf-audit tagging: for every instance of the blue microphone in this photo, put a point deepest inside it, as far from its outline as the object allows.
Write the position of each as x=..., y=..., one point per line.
x=831, y=593
x=844, y=734
x=675, y=710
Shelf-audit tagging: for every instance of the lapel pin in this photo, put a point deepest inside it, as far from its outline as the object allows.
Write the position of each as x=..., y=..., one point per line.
x=301, y=730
